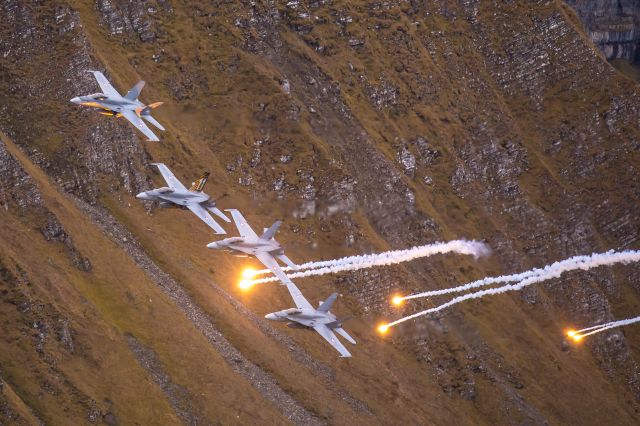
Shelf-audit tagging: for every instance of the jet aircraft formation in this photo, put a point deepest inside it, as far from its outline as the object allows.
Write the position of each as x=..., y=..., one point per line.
x=264, y=247
x=269, y=252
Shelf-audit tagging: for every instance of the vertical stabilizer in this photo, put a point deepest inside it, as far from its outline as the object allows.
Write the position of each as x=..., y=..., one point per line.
x=271, y=232
x=326, y=305
x=133, y=94
x=199, y=184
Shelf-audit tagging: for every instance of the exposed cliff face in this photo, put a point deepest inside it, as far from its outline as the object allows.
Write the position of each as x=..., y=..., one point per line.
x=366, y=125
x=613, y=25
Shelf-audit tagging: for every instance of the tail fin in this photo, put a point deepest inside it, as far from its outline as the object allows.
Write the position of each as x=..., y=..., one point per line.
x=199, y=184
x=326, y=305
x=135, y=91
x=269, y=233
x=287, y=261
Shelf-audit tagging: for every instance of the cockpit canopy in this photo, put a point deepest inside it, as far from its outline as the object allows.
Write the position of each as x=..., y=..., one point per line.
x=232, y=240
x=98, y=96
x=291, y=311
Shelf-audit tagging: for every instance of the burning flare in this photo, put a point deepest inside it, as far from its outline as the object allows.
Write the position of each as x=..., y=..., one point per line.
x=580, y=334
x=397, y=300
x=245, y=285
x=555, y=270
x=383, y=328
x=249, y=273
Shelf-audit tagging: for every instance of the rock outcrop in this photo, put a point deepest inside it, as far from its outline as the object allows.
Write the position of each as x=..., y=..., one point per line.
x=613, y=25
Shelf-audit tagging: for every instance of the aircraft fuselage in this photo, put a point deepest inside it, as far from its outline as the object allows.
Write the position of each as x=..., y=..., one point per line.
x=306, y=317
x=175, y=196
x=249, y=245
x=108, y=103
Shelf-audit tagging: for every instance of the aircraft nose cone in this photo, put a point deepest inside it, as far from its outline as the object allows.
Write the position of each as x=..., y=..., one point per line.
x=271, y=316
x=76, y=100
x=212, y=245
x=142, y=196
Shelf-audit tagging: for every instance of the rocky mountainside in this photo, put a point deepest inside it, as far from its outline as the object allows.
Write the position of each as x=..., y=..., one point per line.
x=365, y=126
x=613, y=25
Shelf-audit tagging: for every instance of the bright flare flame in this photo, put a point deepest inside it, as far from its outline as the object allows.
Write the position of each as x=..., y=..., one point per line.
x=383, y=328
x=249, y=273
x=397, y=300
x=577, y=337
x=571, y=333
x=245, y=285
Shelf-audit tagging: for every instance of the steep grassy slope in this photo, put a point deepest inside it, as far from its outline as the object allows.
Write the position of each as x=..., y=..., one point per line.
x=365, y=126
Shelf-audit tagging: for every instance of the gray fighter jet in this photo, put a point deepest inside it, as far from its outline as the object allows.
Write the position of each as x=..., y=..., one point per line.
x=320, y=320
x=265, y=248
x=110, y=103
x=176, y=194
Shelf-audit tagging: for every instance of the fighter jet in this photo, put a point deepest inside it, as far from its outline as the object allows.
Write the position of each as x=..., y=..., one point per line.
x=263, y=247
x=321, y=320
x=110, y=103
x=176, y=194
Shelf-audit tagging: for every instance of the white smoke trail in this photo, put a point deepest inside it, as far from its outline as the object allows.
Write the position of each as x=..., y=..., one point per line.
x=552, y=271
x=594, y=259
x=602, y=327
x=352, y=263
x=589, y=328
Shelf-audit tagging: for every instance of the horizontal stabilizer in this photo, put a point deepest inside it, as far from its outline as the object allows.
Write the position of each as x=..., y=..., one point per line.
x=219, y=213
x=284, y=259
x=202, y=213
x=153, y=121
x=326, y=305
x=341, y=331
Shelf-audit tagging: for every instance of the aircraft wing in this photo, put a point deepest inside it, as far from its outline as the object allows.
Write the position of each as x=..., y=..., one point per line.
x=105, y=86
x=328, y=335
x=300, y=301
x=168, y=176
x=203, y=214
x=241, y=223
x=271, y=263
x=137, y=121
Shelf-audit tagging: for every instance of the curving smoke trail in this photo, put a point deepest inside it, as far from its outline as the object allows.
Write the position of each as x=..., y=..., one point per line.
x=554, y=270
x=602, y=327
x=596, y=259
x=352, y=263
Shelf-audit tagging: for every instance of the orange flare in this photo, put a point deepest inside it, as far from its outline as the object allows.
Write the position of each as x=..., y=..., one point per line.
x=248, y=273
x=397, y=300
x=245, y=285
x=383, y=328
